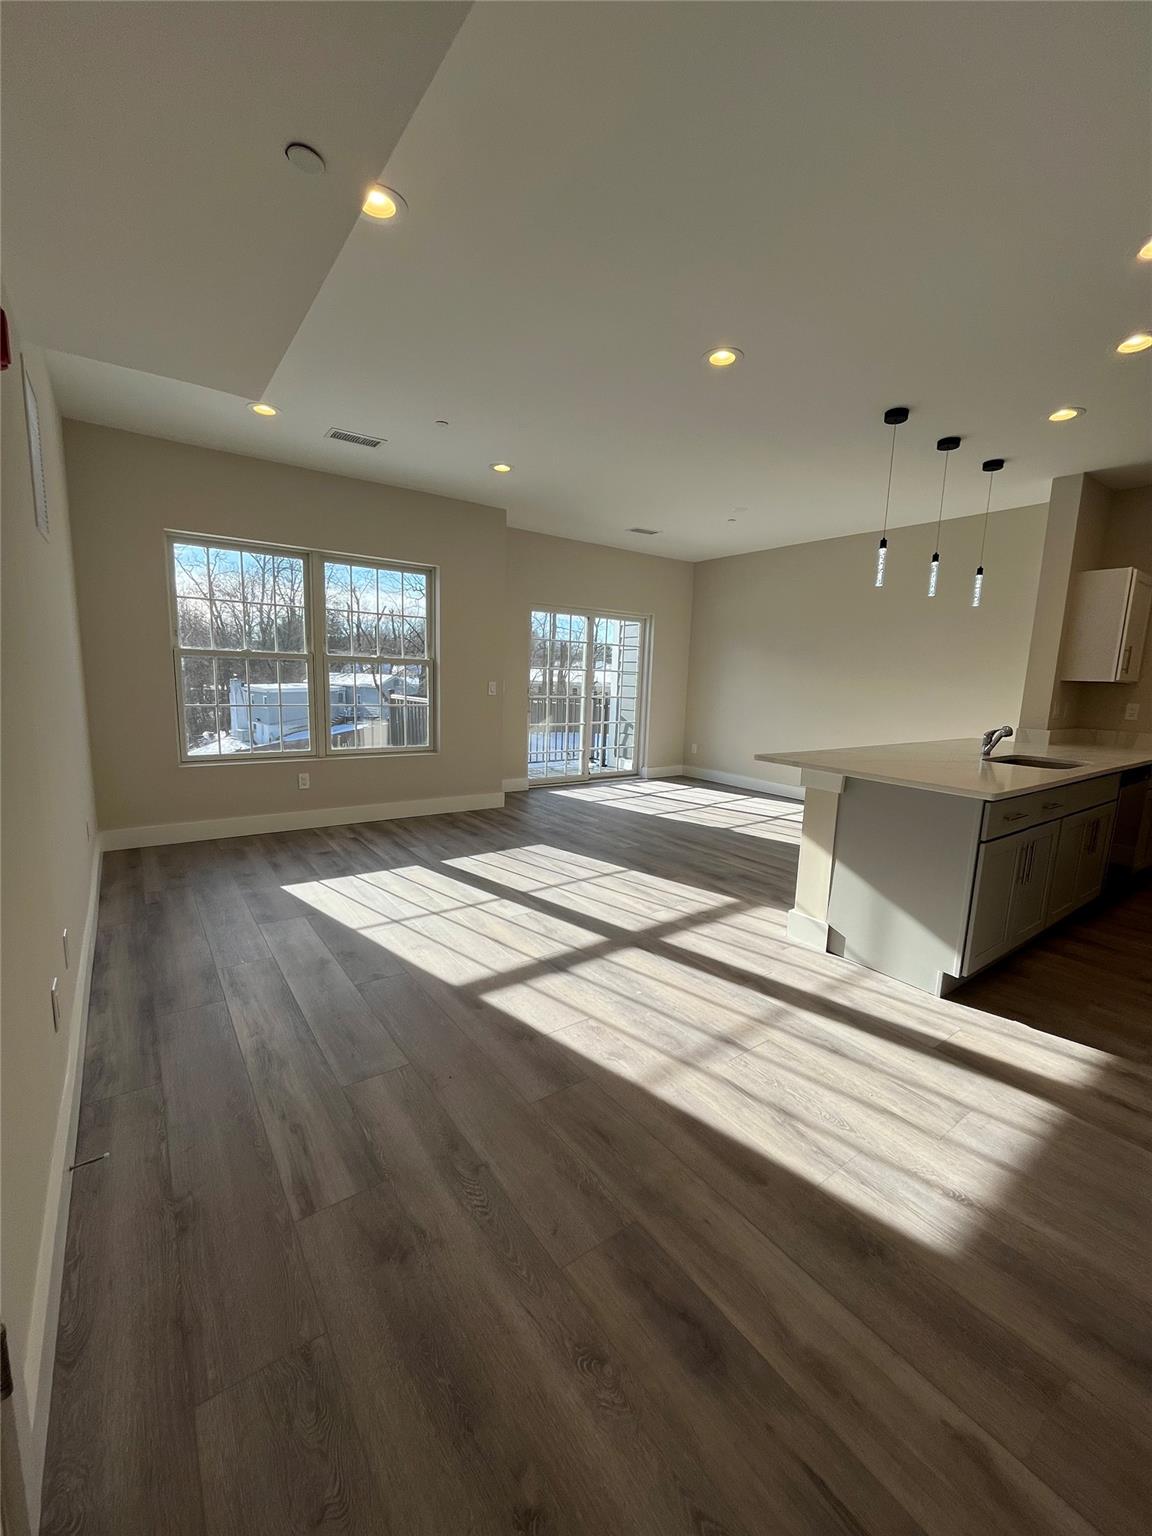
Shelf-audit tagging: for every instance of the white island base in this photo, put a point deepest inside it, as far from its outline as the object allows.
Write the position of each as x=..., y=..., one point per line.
x=929, y=881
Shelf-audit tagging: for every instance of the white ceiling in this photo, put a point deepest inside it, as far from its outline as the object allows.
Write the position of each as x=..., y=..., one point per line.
x=150, y=217
x=932, y=204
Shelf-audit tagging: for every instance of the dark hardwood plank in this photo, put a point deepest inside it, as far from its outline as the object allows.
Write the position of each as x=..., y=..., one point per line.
x=247, y=1297
x=351, y=1036
x=907, y=1291
x=320, y=1149
x=495, y=1339
x=530, y=1059
x=563, y=1203
x=281, y=1455
x=1100, y=1459
x=179, y=957
x=232, y=932
x=949, y=1474
x=121, y=886
x=357, y=952
x=121, y=1441
x=120, y=1047
x=775, y=1457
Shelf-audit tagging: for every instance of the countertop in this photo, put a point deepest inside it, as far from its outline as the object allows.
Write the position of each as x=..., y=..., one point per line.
x=956, y=767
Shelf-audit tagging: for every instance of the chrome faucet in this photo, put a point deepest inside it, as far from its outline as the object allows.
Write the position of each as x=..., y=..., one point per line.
x=992, y=739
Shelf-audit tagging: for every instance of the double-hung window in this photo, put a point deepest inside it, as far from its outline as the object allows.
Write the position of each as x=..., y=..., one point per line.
x=253, y=680
x=378, y=658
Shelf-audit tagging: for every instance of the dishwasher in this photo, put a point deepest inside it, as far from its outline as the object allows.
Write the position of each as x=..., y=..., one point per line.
x=1132, y=840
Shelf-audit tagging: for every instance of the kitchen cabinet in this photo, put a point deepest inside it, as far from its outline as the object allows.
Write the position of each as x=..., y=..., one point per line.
x=1081, y=860
x=1107, y=626
x=1010, y=893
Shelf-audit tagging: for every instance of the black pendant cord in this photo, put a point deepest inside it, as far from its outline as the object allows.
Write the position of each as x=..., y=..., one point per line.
x=990, y=467
x=940, y=518
x=888, y=497
x=984, y=530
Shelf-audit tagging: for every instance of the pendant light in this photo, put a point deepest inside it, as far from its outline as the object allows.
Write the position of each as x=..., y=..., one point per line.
x=895, y=416
x=945, y=445
x=989, y=466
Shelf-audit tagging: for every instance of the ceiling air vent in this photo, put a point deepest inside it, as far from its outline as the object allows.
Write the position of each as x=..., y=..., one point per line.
x=650, y=532
x=342, y=435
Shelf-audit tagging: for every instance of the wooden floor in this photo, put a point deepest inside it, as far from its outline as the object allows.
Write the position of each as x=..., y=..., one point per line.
x=510, y=1173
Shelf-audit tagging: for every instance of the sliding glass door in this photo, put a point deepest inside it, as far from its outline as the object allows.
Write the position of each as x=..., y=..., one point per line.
x=585, y=695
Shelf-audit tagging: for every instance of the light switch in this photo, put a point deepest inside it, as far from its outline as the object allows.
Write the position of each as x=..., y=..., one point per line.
x=492, y=690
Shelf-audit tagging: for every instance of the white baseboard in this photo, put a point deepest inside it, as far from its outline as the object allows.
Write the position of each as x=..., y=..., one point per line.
x=511, y=786
x=673, y=771
x=292, y=821
x=809, y=931
x=745, y=781
x=40, y=1355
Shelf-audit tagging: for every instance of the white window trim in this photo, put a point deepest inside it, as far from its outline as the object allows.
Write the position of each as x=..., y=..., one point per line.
x=325, y=656
x=316, y=655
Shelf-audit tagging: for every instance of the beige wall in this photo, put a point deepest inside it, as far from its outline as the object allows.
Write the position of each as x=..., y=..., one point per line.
x=795, y=648
x=1123, y=537
x=546, y=572
x=47, y=872
x=127, y=490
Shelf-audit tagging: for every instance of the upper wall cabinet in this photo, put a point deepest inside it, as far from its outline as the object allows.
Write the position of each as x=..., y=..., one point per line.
x=1107, y=626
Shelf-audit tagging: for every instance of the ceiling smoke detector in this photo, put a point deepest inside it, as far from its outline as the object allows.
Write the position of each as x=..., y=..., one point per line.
x=304, y=158
x=360, y=439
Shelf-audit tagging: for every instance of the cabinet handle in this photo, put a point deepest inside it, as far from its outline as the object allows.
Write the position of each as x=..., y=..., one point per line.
x=1051, y=805
x=1018, y=816
x=1127, y=659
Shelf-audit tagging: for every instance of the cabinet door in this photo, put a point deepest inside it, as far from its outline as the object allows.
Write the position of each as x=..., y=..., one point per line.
x=997, y=871
x=1028, y=910
x=1135, y=628
x=1062, y=897
x=1096, y=841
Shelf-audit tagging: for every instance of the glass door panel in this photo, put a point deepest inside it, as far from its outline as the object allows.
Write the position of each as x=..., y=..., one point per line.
x=615, y=723
x=584, y=695
x=556, y=690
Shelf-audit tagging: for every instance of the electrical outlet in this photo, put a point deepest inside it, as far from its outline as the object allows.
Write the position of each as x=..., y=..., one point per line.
x=64, y=947
x=304, y=781
x=55, y=1005
x=693, y=749
x=1132, y=711
x=492, y=690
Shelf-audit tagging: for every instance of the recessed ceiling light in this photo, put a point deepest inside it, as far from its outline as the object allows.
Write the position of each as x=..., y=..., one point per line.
x=1067, y=413
x=382, y=205
x=501, y=469
x=262, y=408
x=723, y=357
x=1145, y=251
x=1139, y=341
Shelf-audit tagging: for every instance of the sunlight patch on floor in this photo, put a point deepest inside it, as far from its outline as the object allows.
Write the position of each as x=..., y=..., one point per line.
x=770, y=817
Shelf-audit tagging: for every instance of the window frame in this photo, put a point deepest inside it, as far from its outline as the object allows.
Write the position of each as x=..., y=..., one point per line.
x=324, y=656
x=315, y=655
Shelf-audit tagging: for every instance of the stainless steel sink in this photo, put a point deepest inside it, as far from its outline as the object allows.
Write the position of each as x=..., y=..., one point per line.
x=1055, y=763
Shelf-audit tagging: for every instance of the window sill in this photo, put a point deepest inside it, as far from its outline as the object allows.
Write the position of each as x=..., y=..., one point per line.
x=264, y=759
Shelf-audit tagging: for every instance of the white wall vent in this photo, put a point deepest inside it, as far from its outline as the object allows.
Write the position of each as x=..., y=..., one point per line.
x=361, y=439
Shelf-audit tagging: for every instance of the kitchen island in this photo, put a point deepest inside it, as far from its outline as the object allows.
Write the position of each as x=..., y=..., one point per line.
x=927, y=862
